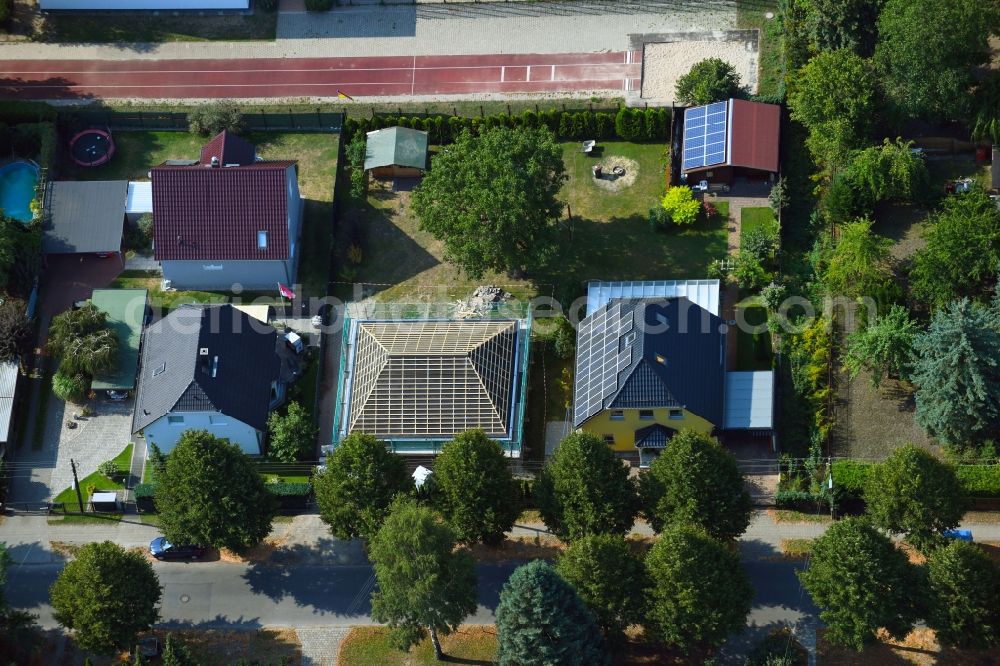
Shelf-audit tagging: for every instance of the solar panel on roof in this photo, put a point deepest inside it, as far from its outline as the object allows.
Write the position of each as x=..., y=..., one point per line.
x=705, y=135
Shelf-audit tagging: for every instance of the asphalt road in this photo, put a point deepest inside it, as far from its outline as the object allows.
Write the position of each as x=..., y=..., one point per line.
x=238, y=596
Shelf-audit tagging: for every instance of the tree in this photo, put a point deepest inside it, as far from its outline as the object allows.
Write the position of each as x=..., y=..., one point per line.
x=860, y=264
x=884, y=347
x=16, y=333
x=586, y=489
x=748, y=272
x=541, y=621
x=964, y=586
x=843, y=24
x=962, y=252
x=423, y=583
x=957, y=373
x=20, y=254
x=492, y=199
x=356, y=152
x=927, y=71
x=609, y=578
x=84, y=341
x=210, y=119
x=475, y=489
x=834, y=97
x=985, y=102
x=709, y=80
x=293, y=435
x=888, y=172
x=175, y=653
x=861, y=582
x=210, y=493
x=357, y=487
x=69, y=388
x=915, y=494
x=695, y=481
x=699, y=593
x=681, y=205
x=106, y=595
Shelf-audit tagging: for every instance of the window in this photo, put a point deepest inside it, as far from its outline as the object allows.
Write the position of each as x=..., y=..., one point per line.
x=609, y=439
x=217, y=419
x=617, y=415
x=261, y=240
x=677, y=414
x=175, y=420
x=646, y=415
x=160, y=369
x=662, y=360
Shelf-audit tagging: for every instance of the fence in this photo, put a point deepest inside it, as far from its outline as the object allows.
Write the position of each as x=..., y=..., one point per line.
x=255, y=121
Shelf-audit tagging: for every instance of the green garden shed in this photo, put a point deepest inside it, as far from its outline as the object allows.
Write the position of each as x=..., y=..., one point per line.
x=396, y=152
x=126, y=311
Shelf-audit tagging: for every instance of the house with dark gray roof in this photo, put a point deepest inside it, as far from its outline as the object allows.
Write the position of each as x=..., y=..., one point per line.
x=84, y=217
x=647, y=368
x=227, y=219
x=207, y=367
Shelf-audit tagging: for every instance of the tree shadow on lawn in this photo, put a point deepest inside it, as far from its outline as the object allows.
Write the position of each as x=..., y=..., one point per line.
x=628, y=249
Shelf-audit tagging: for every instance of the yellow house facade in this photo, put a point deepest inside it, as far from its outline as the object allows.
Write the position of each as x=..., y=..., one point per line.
x=618, y=427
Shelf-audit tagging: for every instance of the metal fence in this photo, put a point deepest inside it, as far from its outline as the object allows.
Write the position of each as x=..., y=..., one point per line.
x=255, y=121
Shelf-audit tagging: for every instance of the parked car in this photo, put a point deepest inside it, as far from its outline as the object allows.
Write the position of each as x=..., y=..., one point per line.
x=117, y=396
x=958, y=535
x=162, y=549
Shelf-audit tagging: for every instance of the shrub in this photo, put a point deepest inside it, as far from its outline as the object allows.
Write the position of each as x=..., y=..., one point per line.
x=69, y=388
x=680, y=204
x=801, y=500
x=144, y=490
x=850, y=476
x=748, y=272
x=778, y=197
x=565, y=339
x=710, y=80
x=289, y=489
x=979, y=480
x=108, y=468
x=319, y=5
x=210, y=119
x=772, y=296
x=659, y=218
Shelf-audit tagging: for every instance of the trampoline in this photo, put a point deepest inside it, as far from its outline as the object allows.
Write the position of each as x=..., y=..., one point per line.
x=92, y=147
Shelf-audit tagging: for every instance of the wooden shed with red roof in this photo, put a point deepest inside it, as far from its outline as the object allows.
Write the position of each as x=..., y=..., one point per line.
x=726, y=140
x=228, y=219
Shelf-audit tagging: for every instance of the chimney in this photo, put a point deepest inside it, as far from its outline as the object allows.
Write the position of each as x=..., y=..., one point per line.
x=215, y=162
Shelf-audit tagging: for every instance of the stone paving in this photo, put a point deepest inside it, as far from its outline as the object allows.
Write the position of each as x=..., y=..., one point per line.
x=571, y=26
x=95, y=439
x=320, y=645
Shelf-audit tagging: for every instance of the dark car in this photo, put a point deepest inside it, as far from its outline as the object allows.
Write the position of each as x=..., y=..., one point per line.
x=162, y=549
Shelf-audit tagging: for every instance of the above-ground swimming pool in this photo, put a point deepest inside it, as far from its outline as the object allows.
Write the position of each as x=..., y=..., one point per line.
x=92, y=147
x=17, y=189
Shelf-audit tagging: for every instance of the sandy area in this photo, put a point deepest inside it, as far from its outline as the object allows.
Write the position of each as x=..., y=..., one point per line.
x=609, y=181
x=664, y=63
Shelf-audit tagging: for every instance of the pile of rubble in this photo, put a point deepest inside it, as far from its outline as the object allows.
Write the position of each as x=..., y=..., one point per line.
x=482, y=301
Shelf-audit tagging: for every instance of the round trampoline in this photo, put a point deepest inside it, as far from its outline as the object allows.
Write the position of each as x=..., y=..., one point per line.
x=92, y=147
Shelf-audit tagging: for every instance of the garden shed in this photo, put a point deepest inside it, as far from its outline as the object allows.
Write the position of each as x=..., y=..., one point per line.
x=84, y=217
x=726, y=140
x=126, y=311
x=396, y=152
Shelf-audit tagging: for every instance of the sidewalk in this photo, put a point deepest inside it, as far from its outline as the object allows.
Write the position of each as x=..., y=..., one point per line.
x=570, y=26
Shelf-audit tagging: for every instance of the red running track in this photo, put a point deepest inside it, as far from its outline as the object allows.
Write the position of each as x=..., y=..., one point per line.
x=389, y=76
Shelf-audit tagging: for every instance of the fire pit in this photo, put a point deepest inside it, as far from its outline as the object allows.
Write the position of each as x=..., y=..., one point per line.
x=618, y=171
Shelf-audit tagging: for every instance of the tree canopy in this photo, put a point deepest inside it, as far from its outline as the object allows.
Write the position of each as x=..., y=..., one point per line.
x=16, y=331
x=83, y=341
x=890, y=171
x=915, y=494
x=20, y=255
x=699, y=592
x=962, y=251
x=210, y=493
x=475, y=489
x=861, y=582
x=860, y=264
x=609, y=578
x=695, y=481
x=964, y=586
x=957, y=373
x=292, y=435
x=928, y=51
x=586, y=489
x=884, y=347
x=541, y=621
x=709, y=80
x=423, y=582
x=842, y=24
x=106, y=595
x=357, y=487
x=492, y=199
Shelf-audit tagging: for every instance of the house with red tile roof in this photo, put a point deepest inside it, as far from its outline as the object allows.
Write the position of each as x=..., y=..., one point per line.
x=228, y=219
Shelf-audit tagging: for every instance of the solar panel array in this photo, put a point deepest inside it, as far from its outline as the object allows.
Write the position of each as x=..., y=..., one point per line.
x=705, y=135
x=600, y=357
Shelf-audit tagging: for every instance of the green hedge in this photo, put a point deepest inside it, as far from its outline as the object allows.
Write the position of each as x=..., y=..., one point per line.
x=290, y=489
x=651, y=124
x=800, y=499
x=144, y=490
x=849, y=476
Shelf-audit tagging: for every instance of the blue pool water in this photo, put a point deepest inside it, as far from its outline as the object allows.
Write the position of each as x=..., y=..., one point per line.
x=17, y=189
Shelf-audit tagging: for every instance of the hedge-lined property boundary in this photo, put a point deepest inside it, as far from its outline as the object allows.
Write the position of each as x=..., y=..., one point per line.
x=978, y=481
x=626, y=124
x=289, y=495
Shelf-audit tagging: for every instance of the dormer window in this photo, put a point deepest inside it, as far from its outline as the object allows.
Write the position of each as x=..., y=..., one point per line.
x=261, y=240
x=159, y=370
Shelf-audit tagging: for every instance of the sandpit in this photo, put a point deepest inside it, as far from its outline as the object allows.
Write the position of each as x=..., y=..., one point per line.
x=614, y=183
x=665, y=62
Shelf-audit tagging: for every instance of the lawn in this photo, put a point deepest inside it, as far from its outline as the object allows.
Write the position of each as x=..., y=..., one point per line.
x=167, y=300
x=757, y=218
x=316, y=154
x=368, y=646
x=159, y=27
x=607, y=238
x=753, y=350
x=100, y=482
x=771, y=72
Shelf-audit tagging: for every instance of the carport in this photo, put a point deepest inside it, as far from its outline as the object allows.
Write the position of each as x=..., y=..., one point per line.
x=84, y=217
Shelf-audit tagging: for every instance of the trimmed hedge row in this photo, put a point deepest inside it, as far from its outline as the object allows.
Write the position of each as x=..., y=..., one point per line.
x=290, y=489
x=801, y=500
x=978, y=481
x=627, y=124
x=289, y=495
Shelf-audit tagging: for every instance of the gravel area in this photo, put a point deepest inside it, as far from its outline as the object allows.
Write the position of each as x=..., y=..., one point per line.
x=664, y=63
